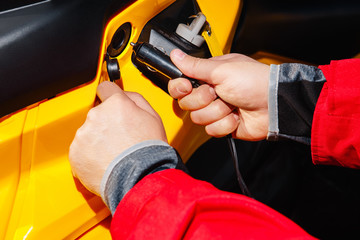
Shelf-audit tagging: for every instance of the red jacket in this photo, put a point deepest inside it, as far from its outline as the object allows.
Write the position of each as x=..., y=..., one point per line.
x=335, y=136
x=171, y=205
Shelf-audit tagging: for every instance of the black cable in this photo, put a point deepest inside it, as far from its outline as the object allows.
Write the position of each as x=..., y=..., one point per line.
x=234, y=156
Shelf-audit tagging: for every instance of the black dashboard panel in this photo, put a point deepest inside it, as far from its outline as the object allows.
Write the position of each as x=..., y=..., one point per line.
x=48, y=47
x=314, y=31
x=12, y=5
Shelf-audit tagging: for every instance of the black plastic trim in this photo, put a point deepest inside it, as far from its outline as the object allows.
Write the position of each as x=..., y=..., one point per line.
x=49, y=48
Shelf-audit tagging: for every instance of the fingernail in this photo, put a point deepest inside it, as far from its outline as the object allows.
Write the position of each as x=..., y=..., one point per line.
x=177, y=53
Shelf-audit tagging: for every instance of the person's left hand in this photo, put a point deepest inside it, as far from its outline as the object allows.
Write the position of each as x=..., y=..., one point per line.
x=122, y=120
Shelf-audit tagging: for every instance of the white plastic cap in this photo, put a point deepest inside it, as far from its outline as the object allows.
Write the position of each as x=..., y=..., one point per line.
x=191, y=32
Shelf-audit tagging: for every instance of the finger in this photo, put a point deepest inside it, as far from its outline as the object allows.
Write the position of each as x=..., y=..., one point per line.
x=225, y=57
x=107, y=89
x=199, y=98
x=223, y=126
x=111, y=94
x=179, y=88
x=197, y=68
x=141, y=102
x=215, y=111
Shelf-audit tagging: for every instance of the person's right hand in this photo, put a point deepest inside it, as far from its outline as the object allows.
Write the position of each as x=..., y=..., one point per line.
x=122, y=120
x=233, y=98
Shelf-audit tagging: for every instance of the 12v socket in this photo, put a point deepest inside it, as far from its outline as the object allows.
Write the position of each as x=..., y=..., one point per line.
x=119, y=40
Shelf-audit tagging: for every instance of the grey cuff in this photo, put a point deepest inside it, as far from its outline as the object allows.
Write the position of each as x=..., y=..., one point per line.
x=293, y=93
x=134, y=164
x=122, y=156
x=273, y=132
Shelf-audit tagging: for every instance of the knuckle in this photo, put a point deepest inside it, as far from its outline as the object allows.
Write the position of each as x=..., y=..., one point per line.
x=203, y=100
x=184, y=105
x=179, y=88
x=79, y=135
x=210, y=130
x=92, y=114
x=229, y=123
x=217, y=108
x=134, y=94
x=196, y=118
x=139, y=96
x=196, y=63
x=114, y=99
x=222, y=127
x=221, y=108
x=204, y=96
x=71, y=150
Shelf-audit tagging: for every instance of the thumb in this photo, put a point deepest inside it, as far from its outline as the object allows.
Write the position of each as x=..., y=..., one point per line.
x=198, y=68
x=107, y=89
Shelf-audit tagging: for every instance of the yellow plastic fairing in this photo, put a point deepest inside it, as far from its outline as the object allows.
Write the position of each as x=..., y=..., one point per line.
x=39, y=197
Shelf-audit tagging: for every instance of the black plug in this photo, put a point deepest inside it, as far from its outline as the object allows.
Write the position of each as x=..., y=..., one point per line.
x=158, y=61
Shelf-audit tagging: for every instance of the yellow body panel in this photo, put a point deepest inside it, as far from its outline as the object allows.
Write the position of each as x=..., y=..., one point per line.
x=10, y=152
x=223, y=17
x=39, y=197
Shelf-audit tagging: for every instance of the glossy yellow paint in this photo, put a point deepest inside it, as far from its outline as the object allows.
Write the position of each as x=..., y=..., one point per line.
x=10, y=154
x=40, y=199
x=223, y=17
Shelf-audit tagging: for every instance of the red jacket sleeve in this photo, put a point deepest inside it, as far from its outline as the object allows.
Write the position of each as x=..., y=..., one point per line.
x=336, y=124
x=171, y=205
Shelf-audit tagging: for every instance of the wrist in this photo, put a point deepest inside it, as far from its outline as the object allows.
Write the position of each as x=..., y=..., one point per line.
x=134, y=164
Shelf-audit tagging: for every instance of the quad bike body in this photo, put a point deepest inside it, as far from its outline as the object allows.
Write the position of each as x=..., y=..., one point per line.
x=53, y=55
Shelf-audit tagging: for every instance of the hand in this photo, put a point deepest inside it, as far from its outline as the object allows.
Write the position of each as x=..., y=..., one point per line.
x=233, y=98
x=122, y=120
